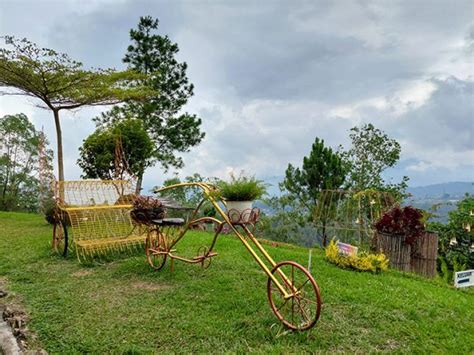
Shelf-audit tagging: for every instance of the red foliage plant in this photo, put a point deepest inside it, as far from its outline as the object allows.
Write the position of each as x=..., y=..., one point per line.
x=146, y=209
x=146, y=202
x=405, y=222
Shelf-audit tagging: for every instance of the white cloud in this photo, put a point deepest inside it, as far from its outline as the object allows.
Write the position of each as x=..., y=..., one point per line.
x=270, y=77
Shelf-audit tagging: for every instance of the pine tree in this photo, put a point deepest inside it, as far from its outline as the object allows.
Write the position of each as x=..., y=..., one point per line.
x=171, y=131
x=323, y=169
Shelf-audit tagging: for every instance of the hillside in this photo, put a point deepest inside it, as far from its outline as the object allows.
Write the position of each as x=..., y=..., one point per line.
x=125, y=307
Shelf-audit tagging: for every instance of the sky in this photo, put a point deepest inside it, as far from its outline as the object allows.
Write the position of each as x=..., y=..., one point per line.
x=271, y=76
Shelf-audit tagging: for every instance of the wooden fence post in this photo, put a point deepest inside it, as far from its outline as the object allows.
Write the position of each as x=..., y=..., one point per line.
x=395, y=249
x=425, y=254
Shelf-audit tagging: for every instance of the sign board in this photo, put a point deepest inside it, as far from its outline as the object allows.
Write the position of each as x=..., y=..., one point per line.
x=464, y=278
x=347, y=249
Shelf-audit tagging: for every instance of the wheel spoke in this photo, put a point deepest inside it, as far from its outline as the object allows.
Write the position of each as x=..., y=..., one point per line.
x=282, y=306
x=303, y=312
x=284, y=303
x=309, y=300
x=299, y=288
x=155, y=250
x=292, y=309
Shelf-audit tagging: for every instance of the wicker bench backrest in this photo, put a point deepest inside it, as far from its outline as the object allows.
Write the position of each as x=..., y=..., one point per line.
x=94, y=193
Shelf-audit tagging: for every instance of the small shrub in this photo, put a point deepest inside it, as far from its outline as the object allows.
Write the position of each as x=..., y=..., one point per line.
x=242, y=188
x=363, y=262
x=51, y=213
x=404, y=222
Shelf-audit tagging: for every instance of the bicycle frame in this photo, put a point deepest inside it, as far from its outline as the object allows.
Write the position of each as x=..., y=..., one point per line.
x=208, y=190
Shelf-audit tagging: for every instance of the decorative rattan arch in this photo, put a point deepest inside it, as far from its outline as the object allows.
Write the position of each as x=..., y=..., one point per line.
x=349, y=216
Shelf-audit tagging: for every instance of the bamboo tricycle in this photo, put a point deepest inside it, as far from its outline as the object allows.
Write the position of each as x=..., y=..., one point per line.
x=293, y=293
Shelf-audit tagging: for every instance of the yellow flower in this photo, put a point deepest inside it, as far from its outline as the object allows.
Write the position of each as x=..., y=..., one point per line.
x=361, y=262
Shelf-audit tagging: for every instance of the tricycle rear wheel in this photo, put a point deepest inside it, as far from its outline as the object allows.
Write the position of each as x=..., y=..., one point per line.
x=60, y=238
x=156, y=249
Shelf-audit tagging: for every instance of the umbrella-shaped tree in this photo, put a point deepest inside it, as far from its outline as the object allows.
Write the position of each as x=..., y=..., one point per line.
x=61, y=83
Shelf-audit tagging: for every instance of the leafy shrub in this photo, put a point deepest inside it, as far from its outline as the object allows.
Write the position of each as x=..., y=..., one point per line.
x=405, y=222
x=242, y=188
x=362, y=262
x=456, y=240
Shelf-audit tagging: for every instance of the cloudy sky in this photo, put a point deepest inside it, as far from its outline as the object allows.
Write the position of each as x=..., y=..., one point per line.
x=270, y=76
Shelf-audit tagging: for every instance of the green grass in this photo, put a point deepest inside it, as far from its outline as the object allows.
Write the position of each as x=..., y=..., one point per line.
x=126, y=307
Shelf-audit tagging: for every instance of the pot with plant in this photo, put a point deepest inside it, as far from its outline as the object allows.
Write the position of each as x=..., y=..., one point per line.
x=239, y=194
x=397, y=231
x=146, y=209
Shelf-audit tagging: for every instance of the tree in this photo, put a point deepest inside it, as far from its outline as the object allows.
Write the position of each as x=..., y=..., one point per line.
x=19, y=158
x=171, y=131
x=371, y=153
x=123, y=146
x=323, y=169
x=61, y=83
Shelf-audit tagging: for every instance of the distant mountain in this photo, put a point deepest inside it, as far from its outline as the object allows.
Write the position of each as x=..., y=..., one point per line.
x=449, y=190
x=445, y=191
x=445, y=196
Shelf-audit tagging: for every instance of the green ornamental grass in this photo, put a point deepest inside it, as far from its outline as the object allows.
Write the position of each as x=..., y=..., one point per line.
x=242, y=188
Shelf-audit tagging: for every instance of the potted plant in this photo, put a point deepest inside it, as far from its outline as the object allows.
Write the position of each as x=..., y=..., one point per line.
x=147, y=208
x=239, y=194
x=397, y=231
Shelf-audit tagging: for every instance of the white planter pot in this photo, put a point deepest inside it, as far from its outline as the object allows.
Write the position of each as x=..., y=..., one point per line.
x=239, y=211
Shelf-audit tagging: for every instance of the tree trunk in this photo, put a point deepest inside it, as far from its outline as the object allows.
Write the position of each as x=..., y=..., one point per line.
x=138, y=188
x=59, y=140
x=7, y=178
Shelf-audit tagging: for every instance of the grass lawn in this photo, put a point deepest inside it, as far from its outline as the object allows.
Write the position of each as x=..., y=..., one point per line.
x=126, y=307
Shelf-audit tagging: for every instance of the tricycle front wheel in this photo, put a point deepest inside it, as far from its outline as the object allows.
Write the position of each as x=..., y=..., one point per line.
x=301, y=308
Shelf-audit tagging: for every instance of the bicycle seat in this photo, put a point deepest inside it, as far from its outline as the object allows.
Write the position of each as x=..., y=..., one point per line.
x=168, y=222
